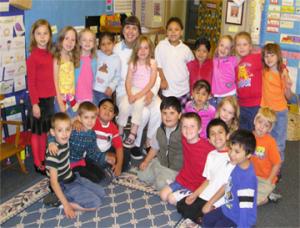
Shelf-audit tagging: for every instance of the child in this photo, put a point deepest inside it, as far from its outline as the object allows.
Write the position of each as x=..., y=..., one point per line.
x=223, y=79
x=73, y=191
x=172, y=55
x=202, y=66
x=195, y=151
x=216, y=171
x=200, y=105
x=84, y=74
x=275, y=91
x=164, y=159
x=40, y=70
x=139, y=81
x=240, y=192
x=249, y=80
x=229, y=111
x=108, y=68
x=266, y=159
x=66, y=58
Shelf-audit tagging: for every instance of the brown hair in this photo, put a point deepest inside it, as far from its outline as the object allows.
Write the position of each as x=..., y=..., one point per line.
x=75, y=53
x=131, y=20
x=137, y=46
x=59, y=116
x=37, y=24
x=86, y=106
x=191, y=115
x=276, y=50
x=94, y=49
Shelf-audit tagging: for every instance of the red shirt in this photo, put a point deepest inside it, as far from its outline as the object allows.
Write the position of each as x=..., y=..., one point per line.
x=197, y=71
x=40, y=75
x=249, y=80
x=194, y=159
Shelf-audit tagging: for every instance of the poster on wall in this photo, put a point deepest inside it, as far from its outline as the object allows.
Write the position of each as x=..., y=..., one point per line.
x=234, y=13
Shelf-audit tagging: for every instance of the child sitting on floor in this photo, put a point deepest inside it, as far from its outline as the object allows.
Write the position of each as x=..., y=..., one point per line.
x=195, y=151
x=164, y=159
x=73, y=191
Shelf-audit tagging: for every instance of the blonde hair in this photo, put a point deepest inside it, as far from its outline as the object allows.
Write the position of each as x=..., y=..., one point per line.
x=236, y=117
x=266, y=113
x=75, y=53
x=94, y=49
x=228, y=37
x=37, y=24
x=134, y=57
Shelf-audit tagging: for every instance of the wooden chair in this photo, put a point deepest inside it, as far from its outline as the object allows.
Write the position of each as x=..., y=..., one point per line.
x=9, y=149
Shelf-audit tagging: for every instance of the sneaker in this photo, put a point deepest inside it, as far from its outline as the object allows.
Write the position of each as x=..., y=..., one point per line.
x=136, y=153
x=274, y=197
x=51, y=200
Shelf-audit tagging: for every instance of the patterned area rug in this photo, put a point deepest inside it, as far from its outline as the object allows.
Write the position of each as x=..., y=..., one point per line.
x=129, y=203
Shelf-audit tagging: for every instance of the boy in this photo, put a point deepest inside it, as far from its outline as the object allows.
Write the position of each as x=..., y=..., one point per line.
x=166, y=146
x=216, y=171
x=240, y=192
x=73, y=191
x=249, y=80
x=195, y=151
x=266, y=159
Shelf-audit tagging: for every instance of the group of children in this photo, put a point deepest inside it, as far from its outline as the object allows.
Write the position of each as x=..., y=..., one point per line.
x=200, y=158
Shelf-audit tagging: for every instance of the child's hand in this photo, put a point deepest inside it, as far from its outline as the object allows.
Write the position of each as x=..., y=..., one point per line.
x=108, y=91
x=148, y=98
x=131, y=99
x=207, y=208
x=36, y=111
x=52, y=148
x=143, y=165
x=190, y=199
x=77, y=126
x=164, y=84
x=117, y=170
x=69, y=211
x=110, y=158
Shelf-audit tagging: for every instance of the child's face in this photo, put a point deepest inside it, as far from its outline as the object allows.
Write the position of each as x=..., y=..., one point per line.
x=170, y=117
x=42, y=36
x=200, y=97
x=224, y=47
x=131, y=33
x=88, y=119
x=262, y=126
x=237, y=155
x=62, y=131
x=271, y=60
x=144, y=51
x=218, y=137
x=106, y=112
x=190, y=130
x=174, y=32
x=87, y=41
x=69, y=41
x=106, y=46
x=227, y=113
x=243, y=47
x=201, y=53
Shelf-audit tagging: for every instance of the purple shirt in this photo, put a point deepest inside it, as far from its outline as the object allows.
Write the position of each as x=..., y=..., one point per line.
x=206, y=114
x=223, y=79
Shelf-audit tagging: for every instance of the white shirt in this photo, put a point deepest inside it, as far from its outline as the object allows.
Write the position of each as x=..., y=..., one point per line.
x=173, y=60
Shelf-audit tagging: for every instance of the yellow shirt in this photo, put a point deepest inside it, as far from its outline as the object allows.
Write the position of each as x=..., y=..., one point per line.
x=66, y=78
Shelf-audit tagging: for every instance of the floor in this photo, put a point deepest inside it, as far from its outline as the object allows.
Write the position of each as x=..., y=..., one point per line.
x=283, y=214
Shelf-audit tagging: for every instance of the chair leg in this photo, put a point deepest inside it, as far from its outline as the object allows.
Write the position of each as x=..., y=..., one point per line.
x=22, y=165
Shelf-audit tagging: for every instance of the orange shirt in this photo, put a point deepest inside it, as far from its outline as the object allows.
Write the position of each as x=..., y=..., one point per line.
x=266, y=156
x=273, y=87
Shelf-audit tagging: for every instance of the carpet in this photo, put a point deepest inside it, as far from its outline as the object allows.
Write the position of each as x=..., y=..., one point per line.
x=129, y=203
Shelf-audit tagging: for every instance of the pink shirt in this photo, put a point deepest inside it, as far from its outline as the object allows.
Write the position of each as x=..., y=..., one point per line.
x=85, y=80
x=141, y=75
x=206, y=114
x=223, y=80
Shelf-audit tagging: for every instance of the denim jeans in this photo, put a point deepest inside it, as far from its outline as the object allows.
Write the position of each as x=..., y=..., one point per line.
x=98, y=96
x=247, y=117
x=279, y=131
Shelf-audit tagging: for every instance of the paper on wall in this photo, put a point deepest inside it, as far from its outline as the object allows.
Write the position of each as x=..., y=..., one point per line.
x=19, y=25
x=4, y=6
x=6, y=86
x=13, y=56
x=287, y=24
x=19, y=83
x=293, y=72
x=6, y=30
x=14, y=69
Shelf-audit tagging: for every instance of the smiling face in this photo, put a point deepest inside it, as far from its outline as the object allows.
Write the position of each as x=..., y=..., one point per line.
x=190, y=130
x=227, y=113
x=87, y=42
x=201, y=53
x=224, y=47
x=42, y=36
x=130, y=33
x=174, y=33
x=143, y=51
x=62, y=131
x=106, y=45
x=170, y=117
x=271, y=60
x=88, y=119
x=69, y=41
x=106, y=112
x=262, y=126
x=218, y=137
x=200, y=97
x=238, y=156
x=243, y=46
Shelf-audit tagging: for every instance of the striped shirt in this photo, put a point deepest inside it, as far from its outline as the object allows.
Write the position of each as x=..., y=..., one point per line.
x=60, y=162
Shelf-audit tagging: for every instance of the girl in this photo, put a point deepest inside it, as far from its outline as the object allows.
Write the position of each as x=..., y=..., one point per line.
x=276, y=88
x=66, y=58
x=108, y=68
x=140, y=79
x=200, y=104
x=84, y=75
x=229, y=111
x=223, y=79
x=41, y=89
x=202, y=66
x=172, y=56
